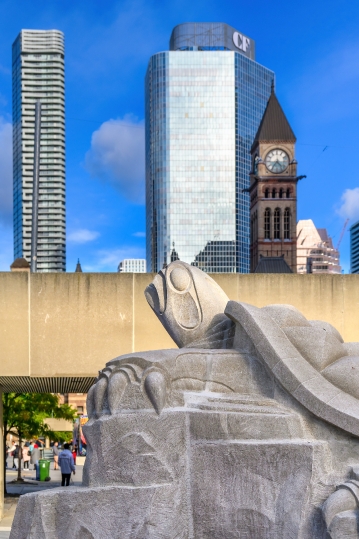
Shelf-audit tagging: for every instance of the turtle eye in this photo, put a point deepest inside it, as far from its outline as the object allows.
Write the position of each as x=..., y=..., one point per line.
x=180, y=279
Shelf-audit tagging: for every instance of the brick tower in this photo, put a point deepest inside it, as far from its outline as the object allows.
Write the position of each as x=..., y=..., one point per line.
x=273, y=189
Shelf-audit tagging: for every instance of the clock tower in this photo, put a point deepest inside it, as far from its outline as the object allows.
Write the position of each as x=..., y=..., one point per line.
x=273, y=189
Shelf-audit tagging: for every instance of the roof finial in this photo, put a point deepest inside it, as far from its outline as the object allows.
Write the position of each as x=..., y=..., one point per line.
x=78, y=267
x=272, y=86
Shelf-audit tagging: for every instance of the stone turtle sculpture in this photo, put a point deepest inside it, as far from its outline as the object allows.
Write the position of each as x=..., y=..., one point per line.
x=249, y=429
x=308, y=358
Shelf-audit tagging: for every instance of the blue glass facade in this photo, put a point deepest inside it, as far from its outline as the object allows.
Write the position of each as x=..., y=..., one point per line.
x=203, y=107
x=253, y=88
x=354, y=248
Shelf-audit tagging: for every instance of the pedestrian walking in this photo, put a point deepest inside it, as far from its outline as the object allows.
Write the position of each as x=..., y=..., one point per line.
x=74, y=453
x=31, y=447
x=17, y=456
x=67, y=465
x=56, y=452
x=12, y=454
x=26, y=456
x=35, y=457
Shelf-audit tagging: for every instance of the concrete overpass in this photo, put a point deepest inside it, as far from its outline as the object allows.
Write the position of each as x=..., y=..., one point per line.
x=57, y=330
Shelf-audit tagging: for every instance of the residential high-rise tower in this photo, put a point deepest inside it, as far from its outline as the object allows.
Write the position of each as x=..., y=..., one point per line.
x=354, y=248
x=38, y=75
x=205, y=98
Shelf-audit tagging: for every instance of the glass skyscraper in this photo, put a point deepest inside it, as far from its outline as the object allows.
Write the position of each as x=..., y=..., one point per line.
x=205, y=98
x=38, y=74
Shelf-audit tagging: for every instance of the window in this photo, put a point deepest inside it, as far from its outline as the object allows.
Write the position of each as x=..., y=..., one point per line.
x=266, y=193
x=277, y=224
x=287, y=224
x=80, y=409
x=254, y=228
x=281, y=193
x=288, y=193
x=274, y=193
x=267, y=224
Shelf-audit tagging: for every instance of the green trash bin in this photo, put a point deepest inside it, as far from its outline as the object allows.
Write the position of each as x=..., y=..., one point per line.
x=44, y=466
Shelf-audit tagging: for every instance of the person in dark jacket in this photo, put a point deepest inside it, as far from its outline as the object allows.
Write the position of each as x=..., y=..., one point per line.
x=67, y=465
x=17, y=456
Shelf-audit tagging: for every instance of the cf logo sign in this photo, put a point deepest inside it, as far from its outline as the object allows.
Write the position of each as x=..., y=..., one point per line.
x=241, y=42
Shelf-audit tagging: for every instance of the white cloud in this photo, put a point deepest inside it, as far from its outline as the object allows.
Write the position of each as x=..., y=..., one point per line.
x=109, y=259
x=117, y=156
x=82, y=236
x=139, y=234
x=5, y=172
x=349, y=208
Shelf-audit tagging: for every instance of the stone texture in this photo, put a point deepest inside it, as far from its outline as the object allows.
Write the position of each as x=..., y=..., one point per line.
x=190, y=305
x=344, y=374
x=100, y=513
x=221, y=466
x=286, y=359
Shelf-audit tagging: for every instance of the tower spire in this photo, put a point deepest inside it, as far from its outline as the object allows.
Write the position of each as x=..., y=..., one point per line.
x=78, y=267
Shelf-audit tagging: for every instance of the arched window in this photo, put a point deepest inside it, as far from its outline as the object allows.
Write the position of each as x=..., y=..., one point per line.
x=287, y=224
x=280, y=193
x=274, y=193
x=266, y=193
x=277, y=224
x=288, y=193
x=267, y=224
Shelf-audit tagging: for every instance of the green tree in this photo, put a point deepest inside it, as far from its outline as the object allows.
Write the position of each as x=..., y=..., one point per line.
x=62, y=436
x=25, y=414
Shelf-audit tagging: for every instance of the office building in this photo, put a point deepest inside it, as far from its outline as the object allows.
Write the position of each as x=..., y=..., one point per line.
x=132, y=265
x=76, y=401
x=205, y=98
x=273, y=193
x=38, y=75
x=354, y=248
x=315, y=250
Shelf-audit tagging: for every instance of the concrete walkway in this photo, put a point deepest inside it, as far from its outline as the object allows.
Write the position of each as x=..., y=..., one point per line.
x=35, y=486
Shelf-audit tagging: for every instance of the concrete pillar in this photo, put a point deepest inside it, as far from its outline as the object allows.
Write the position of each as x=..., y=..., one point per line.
x=2, y=463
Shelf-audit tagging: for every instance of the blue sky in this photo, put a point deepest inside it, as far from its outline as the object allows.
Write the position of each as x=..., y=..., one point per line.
x=313, y=47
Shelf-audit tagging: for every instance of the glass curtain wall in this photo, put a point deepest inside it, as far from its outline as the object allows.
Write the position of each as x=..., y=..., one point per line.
x=253, y=88
x=203, y=109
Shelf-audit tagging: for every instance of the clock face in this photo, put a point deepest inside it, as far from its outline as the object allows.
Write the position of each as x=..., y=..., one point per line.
x=276, y=161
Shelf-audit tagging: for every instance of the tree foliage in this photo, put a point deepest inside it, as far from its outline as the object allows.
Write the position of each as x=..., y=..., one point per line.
x=24, y=415
x=63, y=436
